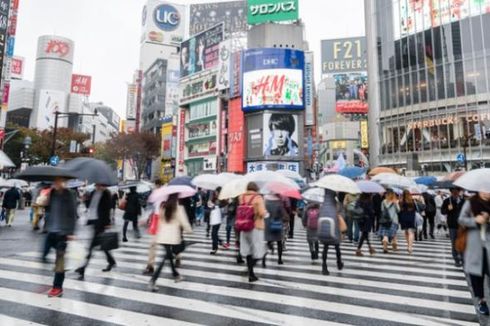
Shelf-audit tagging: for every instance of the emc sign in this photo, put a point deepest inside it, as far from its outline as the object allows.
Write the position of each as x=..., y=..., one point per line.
x=166, y=17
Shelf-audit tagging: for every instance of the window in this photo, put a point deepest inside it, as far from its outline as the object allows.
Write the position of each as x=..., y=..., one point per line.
x=458, y=71
x=470, y=74
x=466, y=33
x=423, y=86
x=476, y=30
x=437, y=45
x=486, y=28
x=441, y=92
x=203, y=109
x=450, y=83
x=415, y=87
x=457, y=51
x=480, y=76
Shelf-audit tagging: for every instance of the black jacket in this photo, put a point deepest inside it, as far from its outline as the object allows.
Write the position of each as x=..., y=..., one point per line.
x=133, y=207
x=452, y=215
x=103, y=211
x=11, y=198
x=64, y=220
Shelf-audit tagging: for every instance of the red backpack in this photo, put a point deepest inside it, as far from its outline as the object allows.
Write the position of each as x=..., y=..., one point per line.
x=245, y=215
x=312, y=222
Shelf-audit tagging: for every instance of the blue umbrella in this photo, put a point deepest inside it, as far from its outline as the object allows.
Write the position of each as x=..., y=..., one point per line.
x=426, y=180
x=352, y=172
x=181, y=181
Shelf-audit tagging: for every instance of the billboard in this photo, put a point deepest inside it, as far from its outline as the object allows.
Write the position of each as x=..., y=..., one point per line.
x=4, y=14
x=224, y=65
x=55, y=47
x=309, y=91
x=181, y=140
x=236, y=136
x=163, y=23
x=201, y=51
x=364, y=134
x=351, y=93
x=272, y=79
x=202, y=129
x=198, y=88
x=81, y=84
x=344, y=55
x=272, y=166
x=281, y=132
x=263, y=11
x=206, y=15
x=131, y=101
x=236, y=74
x=166, y=135
x=17, y=67
x=50, y=101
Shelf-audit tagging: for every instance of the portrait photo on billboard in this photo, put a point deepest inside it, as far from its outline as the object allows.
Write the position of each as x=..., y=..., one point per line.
x=201, y=51
x=273, y=79
x=351, y=92
x=281, y=135
x=206, y=15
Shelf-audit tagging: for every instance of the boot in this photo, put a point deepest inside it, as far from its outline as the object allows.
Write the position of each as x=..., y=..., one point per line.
x=149, y=270
x=81, y=273
x=359, y=253
x=239, y=259
x=313, y=255
x=371, y=250
x=264, y=265
x=385, y=246
x=325, y=270
x=340, y=265
x=250, y=266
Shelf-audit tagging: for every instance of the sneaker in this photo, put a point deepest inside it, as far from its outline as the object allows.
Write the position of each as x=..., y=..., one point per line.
x=58, y=292
x=226, y=245
x=125, y=240
x=152, y=287
x=483, y=308
x=213, y=252
x=359, y=253
x=252, y=279
x=178, y=279
x=148, y=271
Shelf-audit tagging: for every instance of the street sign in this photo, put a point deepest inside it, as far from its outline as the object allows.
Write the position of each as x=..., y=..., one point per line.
x=460, y=158
x=54, y=160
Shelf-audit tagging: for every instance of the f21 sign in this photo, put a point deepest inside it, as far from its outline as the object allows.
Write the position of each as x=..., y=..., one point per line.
x=273, y=79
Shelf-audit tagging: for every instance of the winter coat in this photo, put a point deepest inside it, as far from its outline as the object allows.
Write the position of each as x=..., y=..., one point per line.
x=277, y=212
x=62, y=212
x=452, y=215
x=133, y=207
x=11, y=198
x=170, y=233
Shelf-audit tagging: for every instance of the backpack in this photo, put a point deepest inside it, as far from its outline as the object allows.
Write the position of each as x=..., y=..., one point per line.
x=327, y=230
x=355, y=210
x=245, y=216
x=312, y=218
x=385, y=218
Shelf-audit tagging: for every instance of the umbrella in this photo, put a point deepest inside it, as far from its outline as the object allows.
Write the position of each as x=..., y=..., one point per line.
x=475, y=180
x=291, y=175
x=443, y=185
x=352, y=172
x=45, y=173
x=92, y=170
x=75, y=184
x=316, y=195
x=380, y=169
x=393, y=180
x=141, y=187
x=161, y=194
x=261, y=178
x=208, y=181
x=233, y=189
x=227, y=176
x=338, y=183
x=453, y=176
x=13, y=183
x=283, y=190
x=426, y=180
x=5, y=161
x=370, y=187
x=418, y=189
x=181, y=181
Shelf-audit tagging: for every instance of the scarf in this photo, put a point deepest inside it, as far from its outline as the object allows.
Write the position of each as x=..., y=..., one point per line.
x=478, y=205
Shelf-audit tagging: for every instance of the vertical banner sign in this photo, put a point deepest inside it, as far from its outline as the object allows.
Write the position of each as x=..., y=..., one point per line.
x=4, y=22
x=17, y=68
x=181, y=139
x=364, y=134
x=131, y=101
x=139, y=81
x=223, y=132
x=224, y=65
x=263, y=11
x=236, y=74
x=236, y=136
x=309, y=95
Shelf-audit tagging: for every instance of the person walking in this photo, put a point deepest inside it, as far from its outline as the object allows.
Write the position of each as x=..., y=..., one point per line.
x=389, y=223
x=60, y=226
x=406, y=217
x=440, y=219
x=173, y=220
x=310, y=222
x=99, y=210
x=10, y=201
x=215, y=220
x=230, y=222
x=293, y=203
x=330, y=208
x=274, y=224
x=451, y=207
x=199, y=207
x=114, y=203
x=430, y=214
x=251, y=208
x=131, y=213
x=152, y=251
x=352, y=226
x=475, y=216
x=365, y=223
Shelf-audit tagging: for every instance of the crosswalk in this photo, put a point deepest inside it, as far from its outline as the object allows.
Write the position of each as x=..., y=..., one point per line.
x=386, y=289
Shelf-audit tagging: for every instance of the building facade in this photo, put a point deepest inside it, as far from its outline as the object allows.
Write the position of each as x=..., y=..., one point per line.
x=429, y=68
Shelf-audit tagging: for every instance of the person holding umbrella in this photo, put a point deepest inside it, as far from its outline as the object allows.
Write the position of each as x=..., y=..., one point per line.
x=275, y=223
x=99, y=209
x=406, y=217
x=10, y=203
x=389, y=220
x=131, y=213
x=452, y=207
x=152, y=252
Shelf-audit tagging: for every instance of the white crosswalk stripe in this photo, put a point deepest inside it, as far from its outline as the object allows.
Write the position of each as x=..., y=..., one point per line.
x=386, y=289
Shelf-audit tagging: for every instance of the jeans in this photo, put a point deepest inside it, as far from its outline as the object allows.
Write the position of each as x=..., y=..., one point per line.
x=478, y=282
x=10, y=215
x=364, y=236
x=199, y=214
x=350, y=223
x=456, y=255
x=170, y=256
x=229, y=227
x=430, y=219
x=215, y=236
x=325, y=254
x=94, y=243
x=135, y=228
x=57, y=241
x=292, y=217
x=355, y=236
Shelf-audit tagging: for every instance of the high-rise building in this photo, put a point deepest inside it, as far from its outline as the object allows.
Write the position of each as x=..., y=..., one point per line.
x=429, y=67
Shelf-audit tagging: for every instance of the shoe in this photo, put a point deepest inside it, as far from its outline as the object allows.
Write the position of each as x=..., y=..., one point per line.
x=394, y=245
x=58, y=292
x=178, y=278
x=36, y=228
x=340, y=265
x=359, y=253
x=280, y=262
x=239, y=260
x=213, y=252
x=317, y=255
x=125, y=240
x=312, y=255
x=432, y=236
x=81, y=273
x=109, y=268
x=425, y=236
x=226, y=245
x=264, y=265
x=385, y=246
x=410, y=251
x=152, y=287
x=458, y=264
x=207, y=234
x=149, y=271
x=483, y=308
x=252, y=279
x=372, y=251
x=325, y=270
x=178, y=262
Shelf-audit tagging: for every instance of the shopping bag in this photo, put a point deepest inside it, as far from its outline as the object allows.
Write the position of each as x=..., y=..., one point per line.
x=153, y=224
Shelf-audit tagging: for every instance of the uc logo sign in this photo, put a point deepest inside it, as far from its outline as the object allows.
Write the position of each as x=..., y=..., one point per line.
x=166, y=17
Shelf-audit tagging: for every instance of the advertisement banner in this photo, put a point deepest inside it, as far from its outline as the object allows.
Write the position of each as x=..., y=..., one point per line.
x=280, y=135
x=50, y=101
x=163, y=23
x=198, y=88
x=131, y=101
x=351, y=93
x=4, y=14
x=202, y=129
x=172, y=89
x=236, y=136
x=17, y=67
x=236, y=74
x=364, y=134
x=224, y=73
x=206, y=15
x=273, y=79
x=202, y=149
x=264, y=11
x=166, y=135
x=81, y=84
x=201, y=51
x=10, y=46
x=309, y=91
x=181, y=140
x=272, y=166
x=5, y=94
x=255, y=137
x=344, y=55
x=53, y=47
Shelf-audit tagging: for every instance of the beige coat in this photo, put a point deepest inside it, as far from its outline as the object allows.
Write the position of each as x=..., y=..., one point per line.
x=171, y=232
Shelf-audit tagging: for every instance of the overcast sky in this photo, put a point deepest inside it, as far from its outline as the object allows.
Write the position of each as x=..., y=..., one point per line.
x=107, y=33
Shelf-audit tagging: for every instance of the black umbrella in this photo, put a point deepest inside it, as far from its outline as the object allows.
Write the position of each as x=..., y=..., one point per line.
x=181, y=181
x=92, y=171
x=45, y=173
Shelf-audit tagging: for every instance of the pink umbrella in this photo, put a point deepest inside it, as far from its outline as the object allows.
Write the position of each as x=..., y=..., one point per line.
x=283, y=190
x=162, y=194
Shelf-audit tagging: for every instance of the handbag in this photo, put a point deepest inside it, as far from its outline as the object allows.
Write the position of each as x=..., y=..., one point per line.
x=342, y=224
x=153, y=224
x=461, y=238
x=108, y=240
x=122, y=204
x=275, y=225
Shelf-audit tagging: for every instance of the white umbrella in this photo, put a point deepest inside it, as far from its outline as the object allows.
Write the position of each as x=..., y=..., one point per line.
x=261, y=178
x=338, y=183
x=233, y=189
x=393, y=180
x=210, y=181
x=13, y=183
x=291, y=175
x=5, y=161
x=370, y=187
x=316, y=195
x=475, y=180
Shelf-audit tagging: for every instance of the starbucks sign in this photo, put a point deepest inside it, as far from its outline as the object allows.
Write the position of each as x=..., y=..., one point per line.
x=263, y=11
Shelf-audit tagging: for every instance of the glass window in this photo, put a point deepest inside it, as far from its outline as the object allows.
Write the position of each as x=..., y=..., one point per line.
x=423, y=86
x=476, y=29
x=405, y=55
x=406, y=89
x=486, y=28
x=480, y=76
x=446, y=42
x=393, y=92
x=398, y=56
x=420, y=50
x=412, y=52
x=203, y=109
x=386, y=92
x=432, y=83
x=466, y=33
x=449, y=78
x=459, y=73
x=400, y=91
x=456, y=35
x=415, y=87
x=437, y=45
x=470, y=74
x=441, y=92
